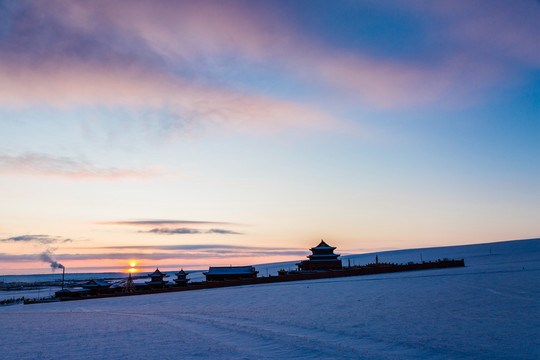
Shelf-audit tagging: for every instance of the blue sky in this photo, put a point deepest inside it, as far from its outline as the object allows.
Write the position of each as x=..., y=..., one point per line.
x=205, y=133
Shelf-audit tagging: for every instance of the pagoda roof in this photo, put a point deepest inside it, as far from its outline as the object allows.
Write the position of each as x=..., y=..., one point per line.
x=323, y=245
x=157, y=273
x=97, y=283
x=181, y=272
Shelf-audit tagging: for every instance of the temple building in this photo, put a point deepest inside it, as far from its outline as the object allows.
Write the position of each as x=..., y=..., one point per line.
x=157, y=279
x=322, y=258
x=216, y=273
x=181, y=278
x=96, y=285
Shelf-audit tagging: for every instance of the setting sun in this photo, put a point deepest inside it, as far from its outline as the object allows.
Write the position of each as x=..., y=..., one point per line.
x=132, y=268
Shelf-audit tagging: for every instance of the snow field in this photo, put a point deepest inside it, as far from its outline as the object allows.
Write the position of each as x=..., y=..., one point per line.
x=488, y=310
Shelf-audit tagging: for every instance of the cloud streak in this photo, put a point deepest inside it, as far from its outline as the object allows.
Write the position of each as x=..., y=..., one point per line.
x=160, y=252
x=152, y=223
x=47, y=165
x=170, y=227
x=179, y=231
x=222, y=231
x=205, y=247
x=39, y=239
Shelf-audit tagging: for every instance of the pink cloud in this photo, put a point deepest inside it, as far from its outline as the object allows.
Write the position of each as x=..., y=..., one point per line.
x=474, y=30
x=494, y=29
x=78, y=84
x=181, y=32
x=382, y=83
x=181, y=28
x=205, y=30
x=38, y=164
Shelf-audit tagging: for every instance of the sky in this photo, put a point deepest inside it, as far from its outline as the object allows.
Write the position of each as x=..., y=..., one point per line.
x=186, y=134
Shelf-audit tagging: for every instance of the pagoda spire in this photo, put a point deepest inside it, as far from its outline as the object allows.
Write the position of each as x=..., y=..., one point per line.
x=129, y=286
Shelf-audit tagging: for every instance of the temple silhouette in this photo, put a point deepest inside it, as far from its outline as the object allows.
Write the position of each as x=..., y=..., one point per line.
x=321, y=264
x=322, y=258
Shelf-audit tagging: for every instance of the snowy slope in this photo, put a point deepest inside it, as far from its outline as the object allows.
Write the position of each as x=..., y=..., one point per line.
x=490, y=310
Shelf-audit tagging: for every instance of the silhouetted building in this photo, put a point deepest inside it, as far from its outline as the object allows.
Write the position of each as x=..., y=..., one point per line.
x=96, y=285
x=322, y=258
x=181, y=278
x=216, y=273
x=129, y=285
x=157, y=279
x=73, y=293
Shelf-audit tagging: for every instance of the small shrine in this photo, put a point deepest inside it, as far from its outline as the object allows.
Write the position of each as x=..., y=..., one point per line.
x=157, y=279
x=181, y=278
x=322, y=258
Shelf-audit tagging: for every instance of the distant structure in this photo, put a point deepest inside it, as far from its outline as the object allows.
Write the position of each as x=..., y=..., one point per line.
x=129, y=286
x=157, y=279
x=216, y=273
x=96, y=285
x=181, y=278
x=322, y=258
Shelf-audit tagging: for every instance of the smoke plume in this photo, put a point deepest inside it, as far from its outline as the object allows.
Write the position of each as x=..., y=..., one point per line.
x=47, y=256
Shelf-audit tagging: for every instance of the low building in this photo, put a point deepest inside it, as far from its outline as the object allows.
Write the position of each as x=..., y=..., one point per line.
x=73, y=293
x=216, y=273
x=322, y=258
x=96, y=285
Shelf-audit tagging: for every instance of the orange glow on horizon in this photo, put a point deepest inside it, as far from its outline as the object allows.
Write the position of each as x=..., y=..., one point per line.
x=132, y=264
x=141, y=265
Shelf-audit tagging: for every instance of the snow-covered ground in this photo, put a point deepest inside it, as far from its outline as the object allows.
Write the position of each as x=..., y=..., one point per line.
x=488, y=310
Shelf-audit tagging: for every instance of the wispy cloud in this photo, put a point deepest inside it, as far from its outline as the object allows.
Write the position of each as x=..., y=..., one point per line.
x=205, y=247
x=43, y=241
x=187, y=102
x=41, y=164
x=170, y=227
x=491, y=30
x=39, y=239
x=152, y=223
x=162, y=252
x=176, y=231
x=159, y=57
x=222, y=231
x=119, y=54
